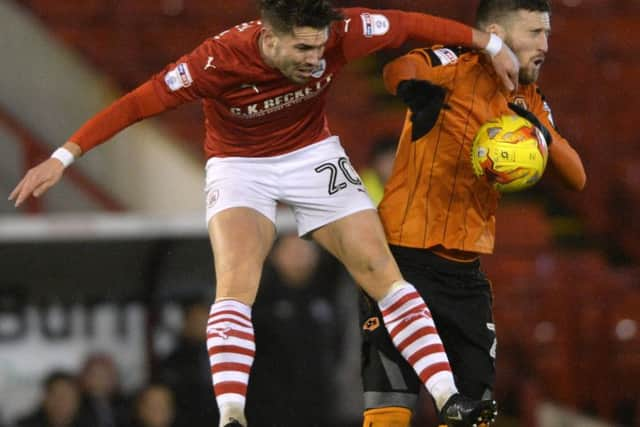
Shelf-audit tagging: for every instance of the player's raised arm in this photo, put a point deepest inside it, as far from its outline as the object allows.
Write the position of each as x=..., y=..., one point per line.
x=392, y=28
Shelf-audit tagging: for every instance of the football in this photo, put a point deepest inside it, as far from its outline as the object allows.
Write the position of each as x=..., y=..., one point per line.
x=510, y=153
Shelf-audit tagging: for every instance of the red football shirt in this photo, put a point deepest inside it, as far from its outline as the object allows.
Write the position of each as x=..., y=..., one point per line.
x=251, y=109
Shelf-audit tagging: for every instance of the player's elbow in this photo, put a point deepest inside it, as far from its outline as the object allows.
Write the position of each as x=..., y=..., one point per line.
x=568, y=163
x=579, y=177
x=399, y=69
x=390, y=83
x=577, y=181
x=581, y=183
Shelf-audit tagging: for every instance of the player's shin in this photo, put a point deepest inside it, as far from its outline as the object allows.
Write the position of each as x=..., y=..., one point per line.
x=231, y=347
x=414, y=334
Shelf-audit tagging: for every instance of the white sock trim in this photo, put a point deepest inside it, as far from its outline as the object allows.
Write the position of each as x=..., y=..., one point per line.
x=231, y=406
x=441, y=386
x=397, y=286
x=233, y=304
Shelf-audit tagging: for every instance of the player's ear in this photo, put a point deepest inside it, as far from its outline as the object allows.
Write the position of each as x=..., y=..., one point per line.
x=269, y=37
x=496, y=29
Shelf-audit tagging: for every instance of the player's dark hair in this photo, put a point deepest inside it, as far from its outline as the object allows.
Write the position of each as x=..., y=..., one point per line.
x=284, y=15
x=490, y=11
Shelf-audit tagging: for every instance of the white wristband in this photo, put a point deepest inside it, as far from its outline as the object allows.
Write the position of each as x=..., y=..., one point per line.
x=64, y=155
x=494, y=46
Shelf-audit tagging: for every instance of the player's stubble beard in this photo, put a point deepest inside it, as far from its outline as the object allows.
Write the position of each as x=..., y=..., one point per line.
x=529, y=72
x=528, y=75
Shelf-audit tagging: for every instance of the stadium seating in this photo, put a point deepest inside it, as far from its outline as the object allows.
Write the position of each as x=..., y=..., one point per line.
x=565, y=318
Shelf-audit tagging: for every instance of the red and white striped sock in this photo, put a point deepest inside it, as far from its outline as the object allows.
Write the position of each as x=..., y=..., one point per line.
x=231, y=347
x=414, y=334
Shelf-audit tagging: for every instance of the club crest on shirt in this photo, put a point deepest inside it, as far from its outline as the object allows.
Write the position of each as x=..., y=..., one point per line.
x=374, y=24
x=520, y=102
x=212, y=198
x=178, y=78
x=319, y=71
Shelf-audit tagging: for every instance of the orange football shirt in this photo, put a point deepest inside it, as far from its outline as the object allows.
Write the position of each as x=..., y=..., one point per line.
x=433, y=198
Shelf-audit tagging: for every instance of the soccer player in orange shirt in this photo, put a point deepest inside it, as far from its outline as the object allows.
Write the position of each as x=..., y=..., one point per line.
x=263, y=86
x=438, y=216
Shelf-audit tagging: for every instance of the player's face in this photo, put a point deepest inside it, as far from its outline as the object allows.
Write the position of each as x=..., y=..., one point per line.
x=528, y=36
x=297, y=54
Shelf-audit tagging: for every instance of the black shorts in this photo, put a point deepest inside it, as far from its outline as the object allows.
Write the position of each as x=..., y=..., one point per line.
x=460, y=299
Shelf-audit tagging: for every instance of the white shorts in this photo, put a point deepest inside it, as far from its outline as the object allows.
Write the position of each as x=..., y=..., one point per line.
x=317, y=182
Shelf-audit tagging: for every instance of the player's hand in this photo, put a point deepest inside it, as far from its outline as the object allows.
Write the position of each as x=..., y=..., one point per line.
x=522, y=112
x=507, y=66
x=38, y=180
x=425, y=100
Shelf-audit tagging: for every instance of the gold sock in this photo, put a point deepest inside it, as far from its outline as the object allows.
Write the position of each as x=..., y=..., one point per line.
x=391, y=416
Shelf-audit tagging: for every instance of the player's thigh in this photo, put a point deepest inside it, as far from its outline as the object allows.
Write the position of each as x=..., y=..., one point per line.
x=387, y=378
x=241, y=209
x=241, y=239
x=358, y=241
x=331, y=204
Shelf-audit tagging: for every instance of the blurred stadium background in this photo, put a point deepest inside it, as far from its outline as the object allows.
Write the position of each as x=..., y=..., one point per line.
x=106, y=261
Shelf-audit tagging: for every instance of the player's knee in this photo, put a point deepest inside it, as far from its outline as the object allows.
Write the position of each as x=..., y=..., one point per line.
x=393, y=416
x=373, y=267
x=380, y=269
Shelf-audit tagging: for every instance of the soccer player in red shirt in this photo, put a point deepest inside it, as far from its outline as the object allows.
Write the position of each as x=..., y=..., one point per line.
x=264, y=85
